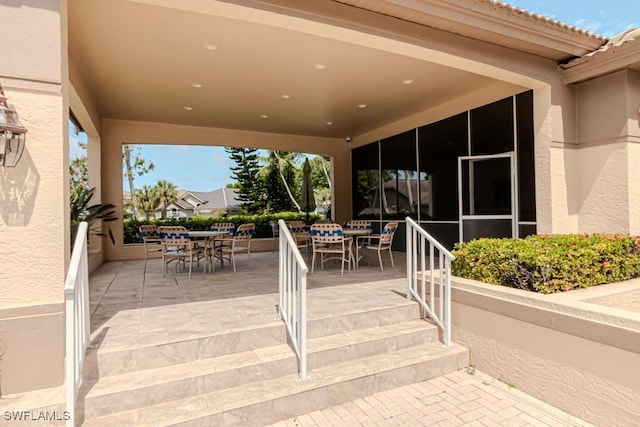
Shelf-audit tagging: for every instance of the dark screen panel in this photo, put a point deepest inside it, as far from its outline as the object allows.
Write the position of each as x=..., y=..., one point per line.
x=440, y=144
x=477, y=228
x=399, y=176
x=365, y=167
x=526, y=157
x=492, y=128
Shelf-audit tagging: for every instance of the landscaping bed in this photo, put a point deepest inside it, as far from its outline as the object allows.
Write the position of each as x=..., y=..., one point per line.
x=262, y=222
x=549, y=263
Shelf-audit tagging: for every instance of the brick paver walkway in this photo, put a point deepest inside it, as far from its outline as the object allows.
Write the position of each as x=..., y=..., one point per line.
x=456, y=399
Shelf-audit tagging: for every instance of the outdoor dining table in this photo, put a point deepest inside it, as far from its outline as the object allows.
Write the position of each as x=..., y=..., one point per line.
x=207, y=237
x=206, y=234
x=354, y=233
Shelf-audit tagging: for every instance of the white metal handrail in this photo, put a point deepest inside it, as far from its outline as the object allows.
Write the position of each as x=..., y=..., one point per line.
x=293, y=295
x=77, y=326
x=419, y=243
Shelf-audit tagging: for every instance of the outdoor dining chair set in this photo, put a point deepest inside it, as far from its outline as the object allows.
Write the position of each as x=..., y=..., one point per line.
x=332, y=241
x=176, y=243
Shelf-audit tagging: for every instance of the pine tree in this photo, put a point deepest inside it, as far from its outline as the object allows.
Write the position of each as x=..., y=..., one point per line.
x=250, y=188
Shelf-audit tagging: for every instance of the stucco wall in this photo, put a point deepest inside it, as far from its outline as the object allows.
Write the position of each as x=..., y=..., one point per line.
x=604, y=189
x=33, y=214
x=117, y=132
x=633, y=126
x=608, y=134
x=581, y=361
x=34, y=211
x=633, y=172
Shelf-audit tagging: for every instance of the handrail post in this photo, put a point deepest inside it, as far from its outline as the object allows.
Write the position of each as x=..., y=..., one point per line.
x=77, y=319
x=417, y=239
x=292, y=289
x=70, y=360
x=409, y=252
x=447, y=290
x=303, y=327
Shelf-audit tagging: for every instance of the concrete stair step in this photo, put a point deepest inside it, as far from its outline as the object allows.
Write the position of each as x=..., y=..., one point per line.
x=268, y=401
x=103, y=362
x=149, y=387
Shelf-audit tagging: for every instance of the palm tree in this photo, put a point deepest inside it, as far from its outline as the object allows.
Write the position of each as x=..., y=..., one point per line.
x=168, y=194
x=281, y=161
x=147, y=200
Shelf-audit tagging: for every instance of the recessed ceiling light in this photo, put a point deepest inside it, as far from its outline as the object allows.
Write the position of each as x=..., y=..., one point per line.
x=187, y=108
x=196, y=85
x=362, y=105
x=264, y=116
x=407, y=81
x=211, y=46
x=285, y=96
x=320, y=66
x=329, y=123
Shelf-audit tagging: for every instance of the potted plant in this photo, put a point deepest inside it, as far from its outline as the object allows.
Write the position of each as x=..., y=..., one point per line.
x=82, y=211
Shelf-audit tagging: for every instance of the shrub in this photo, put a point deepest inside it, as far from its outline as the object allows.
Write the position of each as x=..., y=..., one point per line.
x=263, y=228
x=549, y=263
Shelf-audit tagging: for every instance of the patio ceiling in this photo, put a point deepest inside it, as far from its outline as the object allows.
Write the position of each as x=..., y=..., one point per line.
x=139, y=60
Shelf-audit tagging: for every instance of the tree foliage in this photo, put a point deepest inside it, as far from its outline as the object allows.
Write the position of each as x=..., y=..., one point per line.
x=272, y=183
x=147, y=201
x=168, y=193
x=133, y=164
x=78, y=173
x=281, y=173
x=249, y=188
x=320, y=172
x=94, y=215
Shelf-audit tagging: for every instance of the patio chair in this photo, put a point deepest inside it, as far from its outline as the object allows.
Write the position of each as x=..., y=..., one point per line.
x=222, y=227
x=229, y=227
x=177, y=246
x=241, y=242
x=378, y=242
x=300, y=232
x=329, y=241
x=151, y=240
x=358, y=224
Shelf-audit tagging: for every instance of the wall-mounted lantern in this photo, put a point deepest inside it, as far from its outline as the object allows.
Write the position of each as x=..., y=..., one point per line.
x=12, y=133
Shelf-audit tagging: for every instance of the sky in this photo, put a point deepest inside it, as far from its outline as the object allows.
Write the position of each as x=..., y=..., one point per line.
x=199, y=168
x=606, y=18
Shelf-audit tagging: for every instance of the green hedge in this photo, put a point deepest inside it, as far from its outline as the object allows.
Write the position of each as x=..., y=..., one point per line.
x=263, y=229
x=549, y=263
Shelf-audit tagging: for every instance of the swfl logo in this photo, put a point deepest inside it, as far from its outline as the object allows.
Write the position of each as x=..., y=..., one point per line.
x=36, y=416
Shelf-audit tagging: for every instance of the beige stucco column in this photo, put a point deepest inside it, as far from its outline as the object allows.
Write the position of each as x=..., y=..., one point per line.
x=34, y=229
x=608, y=154
x=555, y=158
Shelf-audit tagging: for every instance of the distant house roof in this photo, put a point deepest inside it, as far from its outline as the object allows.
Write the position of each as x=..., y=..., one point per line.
x=203, y=201
x=222, y=198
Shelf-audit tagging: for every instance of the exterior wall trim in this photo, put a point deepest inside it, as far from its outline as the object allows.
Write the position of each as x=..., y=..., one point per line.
x=563, y=316
x=605, y=62
x=629, y=139
x=504, y=20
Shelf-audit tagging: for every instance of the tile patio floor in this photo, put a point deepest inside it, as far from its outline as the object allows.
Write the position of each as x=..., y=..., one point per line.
x=132, y=308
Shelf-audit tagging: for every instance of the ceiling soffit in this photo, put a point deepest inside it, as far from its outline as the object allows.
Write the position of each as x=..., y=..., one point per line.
x=139, y=62
x=493, y=22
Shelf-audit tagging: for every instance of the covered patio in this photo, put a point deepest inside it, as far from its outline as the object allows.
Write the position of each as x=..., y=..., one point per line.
x=337, y=78
x=130, y=307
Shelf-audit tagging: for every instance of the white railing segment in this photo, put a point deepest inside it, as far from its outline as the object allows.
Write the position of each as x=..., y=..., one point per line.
x=419, y=244
x=77, y=326
x=293, y=295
